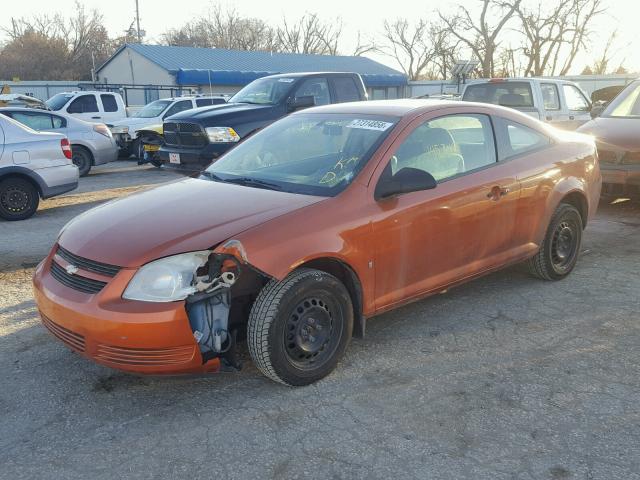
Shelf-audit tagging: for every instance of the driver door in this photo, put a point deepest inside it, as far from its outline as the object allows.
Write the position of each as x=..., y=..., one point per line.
x=427, y=240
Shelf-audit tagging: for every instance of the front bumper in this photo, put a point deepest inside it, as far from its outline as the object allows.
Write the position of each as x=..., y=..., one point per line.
x=194, y=159
x=137, y=337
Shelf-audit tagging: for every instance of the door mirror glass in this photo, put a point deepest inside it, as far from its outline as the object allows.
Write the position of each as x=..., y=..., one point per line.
x=299, y=103
x=406, y=180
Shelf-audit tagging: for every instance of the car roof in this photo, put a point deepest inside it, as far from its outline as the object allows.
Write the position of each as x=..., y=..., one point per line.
x=398, y=108
x=308, y=74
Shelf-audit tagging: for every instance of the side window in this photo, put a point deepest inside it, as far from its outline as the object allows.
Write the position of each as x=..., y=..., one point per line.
x=109, y=102
x=316, y=88
x=575, y=99
x=58, y=122
x=34, y=120
x=179, y=107
x=346, y=89
x=550, y=96
x=84, y=104
x=447, y=146
x=516, y=139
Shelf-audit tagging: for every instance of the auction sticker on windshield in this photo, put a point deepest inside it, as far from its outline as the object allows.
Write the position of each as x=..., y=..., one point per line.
x=285, y=80
x=174, y=158
x=370, y=124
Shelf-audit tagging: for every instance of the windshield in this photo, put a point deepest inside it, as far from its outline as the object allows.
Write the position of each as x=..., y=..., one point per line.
x=264, y=91
x=58, y=101
x=507, y=94
x=626, y=104
x=153, y=109
x=312, y=154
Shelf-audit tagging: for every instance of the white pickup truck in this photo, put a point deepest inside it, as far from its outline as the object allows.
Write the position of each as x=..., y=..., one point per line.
x=91, y=106
x=558, y=102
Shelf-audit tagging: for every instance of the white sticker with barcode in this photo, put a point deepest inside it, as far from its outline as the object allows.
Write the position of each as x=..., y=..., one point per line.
x=285, y=80
x=370, y=124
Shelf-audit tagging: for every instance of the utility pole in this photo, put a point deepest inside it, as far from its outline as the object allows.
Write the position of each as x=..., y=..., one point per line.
x=138, y=22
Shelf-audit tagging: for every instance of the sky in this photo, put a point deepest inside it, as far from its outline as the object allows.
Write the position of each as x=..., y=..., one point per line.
x=157, y=16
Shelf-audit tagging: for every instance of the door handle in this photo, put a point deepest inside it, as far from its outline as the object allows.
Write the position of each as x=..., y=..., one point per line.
x=96, y=118
x=497, y=193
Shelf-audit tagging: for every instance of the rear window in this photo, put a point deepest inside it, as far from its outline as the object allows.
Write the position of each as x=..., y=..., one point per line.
x=109, y=103
x=346, y=89
x=507, y=94
x=203, y=102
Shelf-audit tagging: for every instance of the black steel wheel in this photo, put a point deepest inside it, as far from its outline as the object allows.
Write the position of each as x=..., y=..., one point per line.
x=559, y=251
x=19, y=199
x=299, y=328
x=81, y=158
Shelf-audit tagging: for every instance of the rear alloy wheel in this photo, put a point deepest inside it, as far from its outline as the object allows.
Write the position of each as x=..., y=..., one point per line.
x=299, y=328
x=19, y=199
x=82, y=159
x=559, y=251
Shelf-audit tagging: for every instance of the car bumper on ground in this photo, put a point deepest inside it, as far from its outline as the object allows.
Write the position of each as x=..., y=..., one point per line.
x=137, y=337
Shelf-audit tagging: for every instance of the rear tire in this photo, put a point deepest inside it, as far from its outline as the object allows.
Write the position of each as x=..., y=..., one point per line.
x=19, y=199
x=560, y=248
x=299, y=328
x=82, y=159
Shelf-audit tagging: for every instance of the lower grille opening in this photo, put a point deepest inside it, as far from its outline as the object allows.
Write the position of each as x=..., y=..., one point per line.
x=73, y=340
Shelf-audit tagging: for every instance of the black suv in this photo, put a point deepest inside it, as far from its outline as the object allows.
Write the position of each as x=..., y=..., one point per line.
x=195, y=138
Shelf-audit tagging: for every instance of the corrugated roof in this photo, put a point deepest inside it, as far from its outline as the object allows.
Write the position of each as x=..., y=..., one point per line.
x=175, y=59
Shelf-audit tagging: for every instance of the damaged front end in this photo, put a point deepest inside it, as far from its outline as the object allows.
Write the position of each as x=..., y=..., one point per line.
x=224, y=289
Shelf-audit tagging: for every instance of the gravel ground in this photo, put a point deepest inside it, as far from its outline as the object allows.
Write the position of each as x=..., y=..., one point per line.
x=506, y=377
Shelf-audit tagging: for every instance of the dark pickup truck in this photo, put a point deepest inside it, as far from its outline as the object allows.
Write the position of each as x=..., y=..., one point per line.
x=195, y=138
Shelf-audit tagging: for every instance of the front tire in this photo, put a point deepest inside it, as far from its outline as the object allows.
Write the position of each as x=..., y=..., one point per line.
x=299, y=328
x=559, y=251
x=19, y=199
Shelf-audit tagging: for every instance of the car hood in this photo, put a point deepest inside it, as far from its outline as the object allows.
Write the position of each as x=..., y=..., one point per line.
x=188, y=215
x=618, y=133
x=134, y=122
x=216, y=113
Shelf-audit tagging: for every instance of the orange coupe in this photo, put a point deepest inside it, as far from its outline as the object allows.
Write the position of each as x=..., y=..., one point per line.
x=301, y=232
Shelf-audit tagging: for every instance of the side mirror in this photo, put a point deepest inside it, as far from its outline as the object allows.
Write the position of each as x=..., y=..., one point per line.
x=407, y=180
x=299, y=103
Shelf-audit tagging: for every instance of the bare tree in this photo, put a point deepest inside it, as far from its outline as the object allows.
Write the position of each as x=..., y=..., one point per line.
x=223, y=28
x=477, y=33
x=309, y=34
x=554, y=36
x=75, y=43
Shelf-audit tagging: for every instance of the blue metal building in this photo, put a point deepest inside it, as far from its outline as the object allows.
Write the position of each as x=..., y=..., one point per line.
x=226, y=71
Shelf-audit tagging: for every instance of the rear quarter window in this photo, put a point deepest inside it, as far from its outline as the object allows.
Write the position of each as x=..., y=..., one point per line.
x=346, y=89
x=109, y=103
x=515, y=139
x=507, y=94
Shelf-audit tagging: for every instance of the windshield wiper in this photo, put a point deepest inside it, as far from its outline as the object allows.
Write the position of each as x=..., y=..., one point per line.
x=211, y=176
x=253, y=182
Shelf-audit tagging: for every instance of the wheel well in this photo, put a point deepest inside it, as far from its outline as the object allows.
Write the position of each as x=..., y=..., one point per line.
x=23, y=177
x=350, y=280
x=579, y=201
x=82, y=147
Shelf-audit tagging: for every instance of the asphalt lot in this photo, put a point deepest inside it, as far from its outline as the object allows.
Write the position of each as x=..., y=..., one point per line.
x=506, y=377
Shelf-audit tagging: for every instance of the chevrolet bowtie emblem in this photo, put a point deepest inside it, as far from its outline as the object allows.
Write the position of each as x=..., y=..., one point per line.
x=71, y=269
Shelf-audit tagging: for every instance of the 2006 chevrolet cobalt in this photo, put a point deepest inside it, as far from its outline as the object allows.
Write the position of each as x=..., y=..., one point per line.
x=325, y=218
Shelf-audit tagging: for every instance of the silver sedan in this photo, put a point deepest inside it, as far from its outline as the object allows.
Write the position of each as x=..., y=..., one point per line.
x=91, y=143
